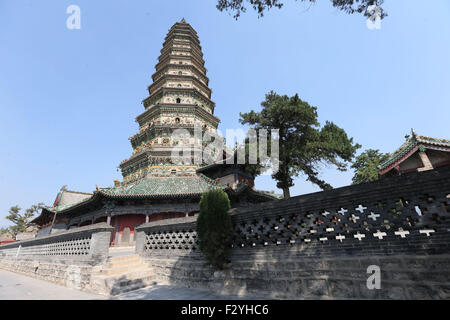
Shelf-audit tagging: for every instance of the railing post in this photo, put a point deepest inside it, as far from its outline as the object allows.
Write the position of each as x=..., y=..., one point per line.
x=99, y=250
x=140, y=241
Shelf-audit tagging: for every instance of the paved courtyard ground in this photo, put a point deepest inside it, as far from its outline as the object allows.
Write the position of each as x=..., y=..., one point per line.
x=19, y=287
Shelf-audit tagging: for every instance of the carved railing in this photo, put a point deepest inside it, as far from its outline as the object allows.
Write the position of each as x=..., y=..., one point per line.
x=167, y=237
x=89, y=245
x=389, y=216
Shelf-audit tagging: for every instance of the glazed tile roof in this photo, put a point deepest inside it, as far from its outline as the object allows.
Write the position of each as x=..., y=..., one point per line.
x=69, y=205
x=162, y=186
x=151, y=188
x=148, y=187
x=66, y=199
x=410, y=144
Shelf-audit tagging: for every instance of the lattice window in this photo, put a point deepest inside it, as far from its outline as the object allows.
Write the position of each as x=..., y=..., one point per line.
x=73, y=247
x=398, y=218
x=179, y=240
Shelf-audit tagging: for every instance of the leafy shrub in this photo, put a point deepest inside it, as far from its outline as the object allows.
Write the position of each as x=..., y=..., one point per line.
x=214, y=227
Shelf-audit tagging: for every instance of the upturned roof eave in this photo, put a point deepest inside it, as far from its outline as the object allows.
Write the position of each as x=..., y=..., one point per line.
x=409, y=147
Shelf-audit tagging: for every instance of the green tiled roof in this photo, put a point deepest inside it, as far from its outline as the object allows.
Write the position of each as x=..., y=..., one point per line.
x=434, y=141
x=163, y=186
x=69, y=205
x=155, y=187
x=400, y=152
x=409, y=144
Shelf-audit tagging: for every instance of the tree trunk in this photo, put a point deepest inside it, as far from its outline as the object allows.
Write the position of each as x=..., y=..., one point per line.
x=286, y=193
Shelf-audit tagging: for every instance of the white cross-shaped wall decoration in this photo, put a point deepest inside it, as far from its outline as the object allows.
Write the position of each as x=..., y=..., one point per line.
x=373, y=216
x=329, y=229
x=359, y=236
x=342, y=211
x=380, y=234
x=325, y=213
x=340, y=238
x=354, y=218
x=401, y=233
x=307, y=240
x=361, y=208
x=427, y=231
x=323, y=239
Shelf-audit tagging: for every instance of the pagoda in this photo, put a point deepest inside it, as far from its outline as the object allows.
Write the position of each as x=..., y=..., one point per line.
x=179, y=100
x=178, y=113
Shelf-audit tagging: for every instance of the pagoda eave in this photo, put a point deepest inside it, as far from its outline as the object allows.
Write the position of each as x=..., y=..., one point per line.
x=158, y=75
x=182, y=108
x=178, y=77
x=167, y=90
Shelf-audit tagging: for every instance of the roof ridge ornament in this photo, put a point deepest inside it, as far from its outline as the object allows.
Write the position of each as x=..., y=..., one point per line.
x=183, y=21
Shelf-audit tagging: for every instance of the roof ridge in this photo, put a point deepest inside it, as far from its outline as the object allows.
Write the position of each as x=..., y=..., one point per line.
x=78, y=192
x=409, y=144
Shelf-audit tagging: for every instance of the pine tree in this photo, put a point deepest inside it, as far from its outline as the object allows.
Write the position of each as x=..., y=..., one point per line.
x=303, y=145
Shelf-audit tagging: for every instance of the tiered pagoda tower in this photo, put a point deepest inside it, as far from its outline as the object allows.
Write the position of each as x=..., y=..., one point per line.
x=179, y=98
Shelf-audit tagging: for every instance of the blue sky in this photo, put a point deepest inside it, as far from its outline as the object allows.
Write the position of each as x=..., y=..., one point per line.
x=68, y=98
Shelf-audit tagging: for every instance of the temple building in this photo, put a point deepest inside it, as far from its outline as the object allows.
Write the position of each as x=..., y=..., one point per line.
x=418, y=153
x=155, y=186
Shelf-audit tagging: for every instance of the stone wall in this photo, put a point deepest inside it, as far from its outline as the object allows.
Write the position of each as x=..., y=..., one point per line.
x=71, y=275
x=68, y=258
x=321, y=245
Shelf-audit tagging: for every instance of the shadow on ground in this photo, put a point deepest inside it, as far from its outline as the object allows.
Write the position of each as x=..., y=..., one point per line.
x=167, y=292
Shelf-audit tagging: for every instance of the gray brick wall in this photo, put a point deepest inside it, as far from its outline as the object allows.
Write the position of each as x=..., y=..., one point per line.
x=308, y=246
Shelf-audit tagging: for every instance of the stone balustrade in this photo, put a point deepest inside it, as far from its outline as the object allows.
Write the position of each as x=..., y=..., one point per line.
x=86, y=245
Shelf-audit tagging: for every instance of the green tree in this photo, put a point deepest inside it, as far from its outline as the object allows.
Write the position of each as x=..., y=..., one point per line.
x=303, y=145
x=214, y=227
x=366, y=166
x=20, y=221
x=348, y=6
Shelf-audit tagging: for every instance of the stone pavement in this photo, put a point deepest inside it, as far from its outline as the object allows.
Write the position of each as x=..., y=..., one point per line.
x=15, y=286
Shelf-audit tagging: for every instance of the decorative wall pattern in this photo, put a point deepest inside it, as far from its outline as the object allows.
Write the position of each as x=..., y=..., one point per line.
x=414, y=206
x=88, y=244
x=319, y=246
x=75, y=247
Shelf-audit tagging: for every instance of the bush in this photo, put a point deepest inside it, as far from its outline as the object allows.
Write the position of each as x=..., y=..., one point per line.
x=214, y=227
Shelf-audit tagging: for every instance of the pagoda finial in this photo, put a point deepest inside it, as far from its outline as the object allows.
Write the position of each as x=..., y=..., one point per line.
x=183, y=21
